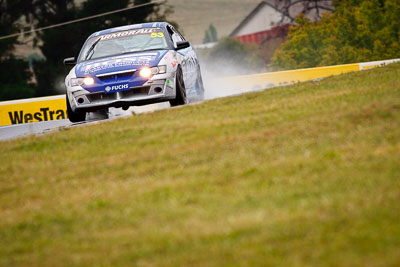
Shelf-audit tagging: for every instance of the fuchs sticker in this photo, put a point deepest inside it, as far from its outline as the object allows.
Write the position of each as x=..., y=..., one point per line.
x=116, y=88
x=127, y=33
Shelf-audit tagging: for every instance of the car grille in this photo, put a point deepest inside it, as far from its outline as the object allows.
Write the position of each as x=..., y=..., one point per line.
x=102, y=97
x=124, y=76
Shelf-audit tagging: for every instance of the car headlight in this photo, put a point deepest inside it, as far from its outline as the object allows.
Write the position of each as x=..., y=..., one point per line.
x=148, y=72
x=82, y=81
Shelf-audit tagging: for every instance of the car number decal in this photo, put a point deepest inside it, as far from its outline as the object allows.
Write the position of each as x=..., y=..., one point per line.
x=157, y=34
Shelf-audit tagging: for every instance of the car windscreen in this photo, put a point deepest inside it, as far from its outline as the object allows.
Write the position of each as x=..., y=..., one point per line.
x=123, y=42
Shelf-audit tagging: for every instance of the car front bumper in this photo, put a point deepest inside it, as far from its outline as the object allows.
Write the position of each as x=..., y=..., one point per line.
x=153, y=91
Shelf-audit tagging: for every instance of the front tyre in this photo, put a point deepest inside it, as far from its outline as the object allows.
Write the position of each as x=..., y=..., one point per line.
x=74, y=116
x=180, y=98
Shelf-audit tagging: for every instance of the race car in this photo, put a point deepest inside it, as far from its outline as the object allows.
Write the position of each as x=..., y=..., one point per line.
x=130, y=66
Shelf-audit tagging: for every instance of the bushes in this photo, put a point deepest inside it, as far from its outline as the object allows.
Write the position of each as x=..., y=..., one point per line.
x=57, y=44
x=14, y=79
x=356, y=31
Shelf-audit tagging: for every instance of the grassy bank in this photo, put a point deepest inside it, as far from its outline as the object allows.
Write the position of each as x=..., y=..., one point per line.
x=302, y=175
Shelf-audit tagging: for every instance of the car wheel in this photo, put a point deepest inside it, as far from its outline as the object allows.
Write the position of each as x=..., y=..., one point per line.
x=180, y=98
x=74, y=116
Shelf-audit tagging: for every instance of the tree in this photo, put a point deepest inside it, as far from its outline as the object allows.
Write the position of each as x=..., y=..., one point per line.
x=210, y=36
x=14, y=77
x=356, y=31
x=14, y=74
x=10, y=13
x=57, y=44
x=291, y=8
x=213, y=33
x=207, y=38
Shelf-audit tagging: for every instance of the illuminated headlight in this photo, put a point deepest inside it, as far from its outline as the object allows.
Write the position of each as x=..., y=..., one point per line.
x=82, y=81
x=148, y=72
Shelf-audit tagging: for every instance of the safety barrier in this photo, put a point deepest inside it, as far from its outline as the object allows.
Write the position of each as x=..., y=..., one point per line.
x=54, y=107
x=254, y=82
x=33, y=110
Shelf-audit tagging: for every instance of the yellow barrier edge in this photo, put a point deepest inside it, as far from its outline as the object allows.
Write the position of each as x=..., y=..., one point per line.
x=261, y=81
x=20, y=112
x=266, y=80
x=53, y=108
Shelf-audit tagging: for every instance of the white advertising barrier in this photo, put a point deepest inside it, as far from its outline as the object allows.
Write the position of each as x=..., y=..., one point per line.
x=54, y=107
x=374, y=64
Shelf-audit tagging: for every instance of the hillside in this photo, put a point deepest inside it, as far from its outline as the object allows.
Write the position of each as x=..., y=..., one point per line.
x=303, y=175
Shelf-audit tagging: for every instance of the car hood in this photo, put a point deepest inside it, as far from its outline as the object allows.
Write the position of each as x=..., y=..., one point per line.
x=119, y=63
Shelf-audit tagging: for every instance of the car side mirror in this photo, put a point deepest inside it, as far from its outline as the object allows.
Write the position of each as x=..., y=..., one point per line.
x=182, y=45
x=70, y=61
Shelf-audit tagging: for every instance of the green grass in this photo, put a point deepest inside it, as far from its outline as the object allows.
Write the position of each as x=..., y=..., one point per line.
x=304, y=175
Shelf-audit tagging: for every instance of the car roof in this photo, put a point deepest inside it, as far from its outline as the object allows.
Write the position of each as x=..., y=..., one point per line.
x=131, y=27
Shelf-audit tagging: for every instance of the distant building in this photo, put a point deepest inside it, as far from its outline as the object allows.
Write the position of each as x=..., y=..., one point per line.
x=268, y=24
x=259, y=37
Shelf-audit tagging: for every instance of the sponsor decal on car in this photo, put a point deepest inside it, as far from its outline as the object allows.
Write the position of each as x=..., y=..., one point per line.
x=119, y=62
x=170, y=83
x=157, y=35
x=174, y=62
x=116, y=88
x=127, y=33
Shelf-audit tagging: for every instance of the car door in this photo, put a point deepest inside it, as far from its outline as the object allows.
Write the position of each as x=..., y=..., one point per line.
x=189, y=59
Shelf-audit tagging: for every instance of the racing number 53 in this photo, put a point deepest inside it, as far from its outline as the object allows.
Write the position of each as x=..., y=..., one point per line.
x=157, y=34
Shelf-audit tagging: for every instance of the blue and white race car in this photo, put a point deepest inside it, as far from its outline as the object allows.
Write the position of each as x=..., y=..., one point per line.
x=130, y=66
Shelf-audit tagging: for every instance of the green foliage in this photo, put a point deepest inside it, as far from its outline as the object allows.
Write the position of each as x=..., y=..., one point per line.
x=14, y=73
x=57, y=44
x=210, y=35
x=213, y=33
x=356, y=31
x=10, y=12
x=206, y=37
x=71, y=37
x=14, y=77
